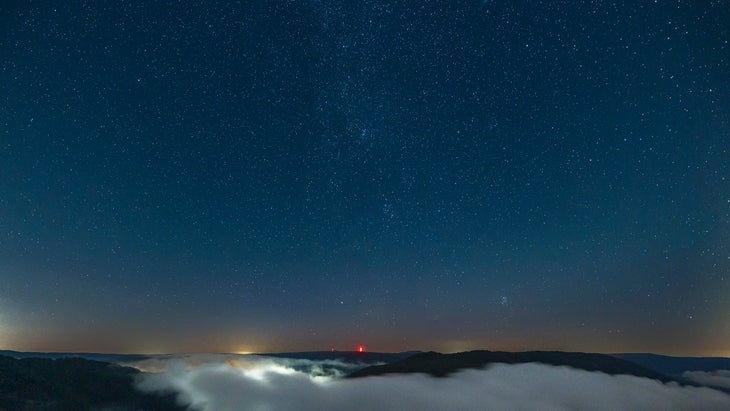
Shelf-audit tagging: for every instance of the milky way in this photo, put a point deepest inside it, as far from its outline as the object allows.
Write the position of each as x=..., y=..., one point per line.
x=295, y=175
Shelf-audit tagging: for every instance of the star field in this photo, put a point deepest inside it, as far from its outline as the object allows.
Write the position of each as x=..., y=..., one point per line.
x=288, y=175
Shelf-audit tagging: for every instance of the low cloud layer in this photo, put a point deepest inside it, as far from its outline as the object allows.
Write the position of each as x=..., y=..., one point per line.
x=248, y=364
x=276, y=384
x=719, y=378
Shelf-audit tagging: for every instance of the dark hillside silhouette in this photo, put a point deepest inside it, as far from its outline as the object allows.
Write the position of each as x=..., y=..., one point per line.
x=73, y=384
x=441, y=365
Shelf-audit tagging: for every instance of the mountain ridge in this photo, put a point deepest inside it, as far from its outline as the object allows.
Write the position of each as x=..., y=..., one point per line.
x=442, y=365
x=74, y=384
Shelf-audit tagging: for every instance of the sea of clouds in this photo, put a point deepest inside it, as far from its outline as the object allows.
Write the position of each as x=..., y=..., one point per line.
x=237, y=383
x=718, y=378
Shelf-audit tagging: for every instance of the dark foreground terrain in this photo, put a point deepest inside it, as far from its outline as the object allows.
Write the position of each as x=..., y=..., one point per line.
x=73, y=384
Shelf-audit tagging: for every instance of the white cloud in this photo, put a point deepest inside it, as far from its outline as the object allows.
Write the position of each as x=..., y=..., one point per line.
x=325, y=368
x=274, y=384
x=719, y=378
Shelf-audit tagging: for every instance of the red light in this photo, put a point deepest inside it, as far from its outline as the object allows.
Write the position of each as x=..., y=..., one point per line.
x=361, y=349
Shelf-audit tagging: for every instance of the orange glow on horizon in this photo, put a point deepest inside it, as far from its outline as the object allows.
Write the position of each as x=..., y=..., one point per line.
x=360, y=349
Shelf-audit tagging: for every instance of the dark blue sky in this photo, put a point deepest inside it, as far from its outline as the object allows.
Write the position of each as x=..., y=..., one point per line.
x=302, y=174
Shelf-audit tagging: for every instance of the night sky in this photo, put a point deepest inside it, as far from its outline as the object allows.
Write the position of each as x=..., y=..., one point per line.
x=204, y=176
